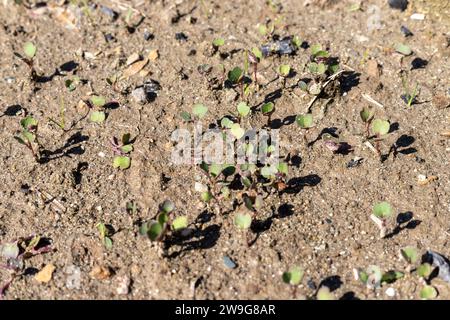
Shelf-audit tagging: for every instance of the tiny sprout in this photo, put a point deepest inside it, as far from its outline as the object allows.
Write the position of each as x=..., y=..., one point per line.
x=71, y=84
x=392, y=276
x=284, y=70
x=403, y=49
x=380, y=212
x=218, y=42
x=97, y=117
x=254, y=57
x=226, y=123
x=29, y=49
x=305, y=121
x=380, y=127
x=424, y=270
x=98, y=101
x=156, y=229
x=410, y=254
x=296, y=42
x=206, y=196
x=374, y=277
x=367, y=116
x=122, y=161
x=428, y=292
x=243, y=109
x=294, y=276
x=180, y=223
x=324, y=293
x=27, y=136
x=199, y=110
x=167, y=206
x=105, y=235
x=235, y=75
x=243, y=220
x=267, y=109
x=237, y=131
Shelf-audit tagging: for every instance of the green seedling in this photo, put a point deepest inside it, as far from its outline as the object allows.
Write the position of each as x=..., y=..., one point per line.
x=105, y=235
x=254, y=57
x=408, y=97
x=62, y=122
x=97, y=103
x=305, y=121
x=71, y=84
x=284, y=71
x=293, y=277
x=324, y=293
x=424, y=270
x=199, y=110
x=410, y=255
x=218, y=42
x=367, y=116
x=29, y=51
x=157, y=228
x=320, y=62
x=236, y=77
x=28, y=136
x=380, y=128
x=403, y=49
x=243, y=220
x=380, y=214
x=373, y=277
x=267, y=110
x=428, y=293
x=122, y=150
x=243, y=110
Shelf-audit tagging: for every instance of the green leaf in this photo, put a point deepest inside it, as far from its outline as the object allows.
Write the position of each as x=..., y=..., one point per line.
x=237, y=131
x=246, y=182
x=143, y=229
x=199, y=110
x=235, y=75
x=257, y=52
x=313, y=67
x=98, y=101
x=28, y=123
x=428, y=292
x=325, y=294
x=155, y=230
x=101, y=227
x=284, y=70
x=315, y=49
x=303, y=85
x=392, y=276
x=262, y=29
x=296, y=42
x=167, y=206
x=322, y=54
x=225, y=192
x=97, y=117
x=126, y=148
x=226, y=123
x=267, y=108
x=28, y=136
x=294, y=276
x=29, y=49
x=243, y=220
x=424, y=270
x=215, y=169
x=228, y=170
x=283, y=168
x=70, y=84
x=305, y=121
x=121, y=162
x=268, y=171
x=108, y=243
x=334, y=68
x=366, y=114
x=380, y=127
x=206, y=196
x=382, y=210
x=355, y=7
x=186, y=116
x=403, y=49
x=180, y=223
x=321, y=68
x=410, y=254
x=243, y=109
x=218, y=42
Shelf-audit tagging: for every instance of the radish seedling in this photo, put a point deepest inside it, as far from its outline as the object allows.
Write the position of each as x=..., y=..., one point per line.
x=105, y=235
x=424, y=270
x=380, y=213
x=122, y=149
x=199, y=110
x=235, y=77
x=29, y=50
x=284, y=71
x=409, y=97
x=97, y=103
x=321, y=63
x=267, y=109
x=410, y=255
x=380, y=128
x=324, y=293
x=293, y=277
x=254, y=57
x=428, y=293
x=28, y=135
x=367, y=116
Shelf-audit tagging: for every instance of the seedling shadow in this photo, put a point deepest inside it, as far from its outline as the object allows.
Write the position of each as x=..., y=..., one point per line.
x=332, y=282
x=404, y=221
x=11, y=111
x=349, y=80
x=278, y=123
x=295, y=185
x=67, y=150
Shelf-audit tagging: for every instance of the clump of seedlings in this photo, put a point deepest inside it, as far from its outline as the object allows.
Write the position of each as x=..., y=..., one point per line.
x=97, y=103
x=373, y=277
x=293, y=277
x=16, y=252
x=29, y=51
x=199, y=110
x=122, y=150
x=321, y=63
x=158, y=228
x=28, y=136
x=105, y=233
x=381, y=212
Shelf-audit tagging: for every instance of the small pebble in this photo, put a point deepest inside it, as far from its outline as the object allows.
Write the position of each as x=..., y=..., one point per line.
x=417, y=16
x=180, y=36
x=228, y=262
x=398, y=4
x=123, y=286
x=390, y=292
x=109, y=37
x=148, y=36
x=109, y=12
x=406, y=32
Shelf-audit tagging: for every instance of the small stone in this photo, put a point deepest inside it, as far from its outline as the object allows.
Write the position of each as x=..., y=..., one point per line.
x=45, y=275
x=373, y=69
x=406, y=32
x=101, y=154
x=139, y=95
x=398, y=4
x=228, y=262
x=133, y=58
x=390, y=292
x=153, y=55
x=417, y=16
x=109, y=12
x=148, y=36
x=109, y=37
x=180, y=36
x=123, y=287
x=73, y=281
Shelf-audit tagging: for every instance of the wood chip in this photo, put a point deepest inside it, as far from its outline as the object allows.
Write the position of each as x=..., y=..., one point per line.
x=45, y=275
x=134, y=68
x=133, y=58
x=100, y=273
x=153, y=55
x=423, y=180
